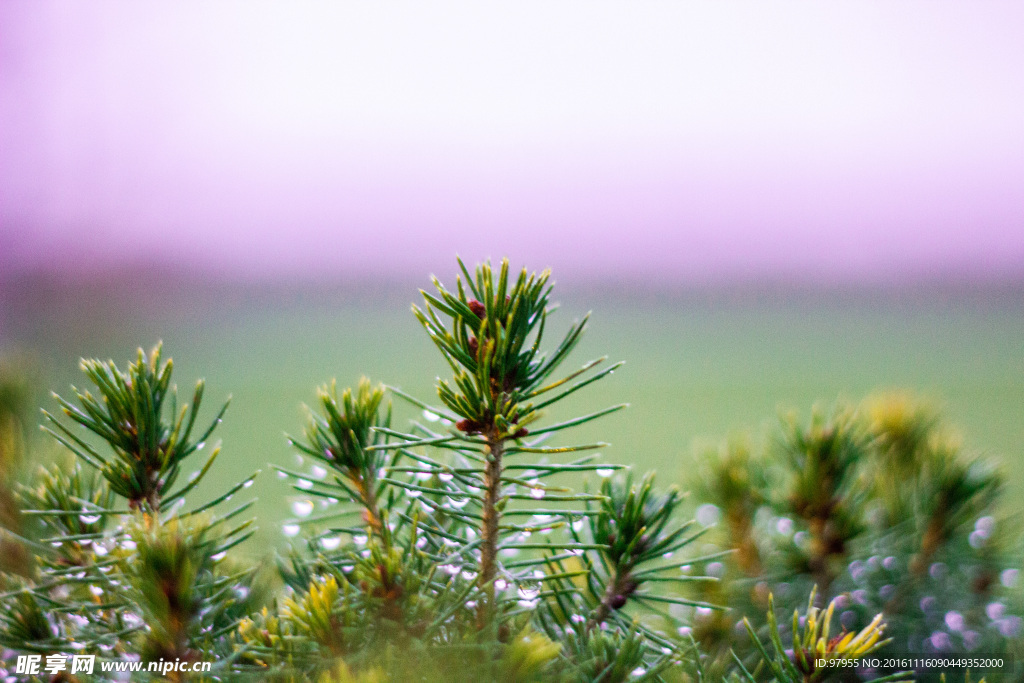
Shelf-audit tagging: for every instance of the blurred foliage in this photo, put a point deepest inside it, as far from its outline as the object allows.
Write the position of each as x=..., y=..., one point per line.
x=879, y=509
x=15, y=390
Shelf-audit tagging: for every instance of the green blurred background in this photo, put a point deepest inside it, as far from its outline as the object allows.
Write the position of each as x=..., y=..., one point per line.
x=702, y=364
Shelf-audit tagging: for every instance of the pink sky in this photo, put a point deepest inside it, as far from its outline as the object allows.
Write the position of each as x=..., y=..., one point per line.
x=684, y=141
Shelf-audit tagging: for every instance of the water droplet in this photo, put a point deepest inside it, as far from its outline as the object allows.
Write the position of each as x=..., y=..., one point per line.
x=452, y=569
x=304, y=484
x=528, y=593
x=89, y=519
x=330, y=543
x=639, y=671
x=954, y=620
x=537, y=493
x=1010, y=626
x=985, y=525
x=430, y=416
x=290, y=530
x=500, y=585
x=219, y=556
x=1008, y=577
x=317, y=472
x=128, y=545
x=445, y=476
x=414, y=494
x=605, y=472
x=784, y=526
x=302, y=508
x=201, y=445
x=96, y=590
x=100, y=550
x=577, y=525
x=940, y=640
x=424, y=476
x=282, y=475
x=995, y=610
x=247, y=484
x=360, y=540
x=458, y=503
x=708, y=515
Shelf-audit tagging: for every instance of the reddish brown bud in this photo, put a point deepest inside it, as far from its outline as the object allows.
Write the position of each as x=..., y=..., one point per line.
x=479, y=310
x=474, y=346
x=469, y=426
x=618, y=601
x=521, y=433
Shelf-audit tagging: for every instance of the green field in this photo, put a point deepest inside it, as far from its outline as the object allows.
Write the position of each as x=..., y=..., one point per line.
x=700, y=365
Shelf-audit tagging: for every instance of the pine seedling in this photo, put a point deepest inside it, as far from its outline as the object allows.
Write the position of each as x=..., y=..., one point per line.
x=136, y=415
x=823, y=488
x=736, y=480
x=122, y=570
x=339, y=438
x=813, y=646
x=490, y=331
x=635, y=531
x=469, y=534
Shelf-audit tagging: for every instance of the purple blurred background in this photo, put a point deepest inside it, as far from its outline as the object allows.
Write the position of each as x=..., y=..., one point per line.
x=838, y=142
